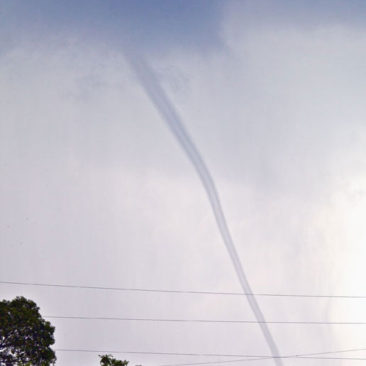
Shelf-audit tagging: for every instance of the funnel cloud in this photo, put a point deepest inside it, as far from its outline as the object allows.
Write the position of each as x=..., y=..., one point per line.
x=167, y=111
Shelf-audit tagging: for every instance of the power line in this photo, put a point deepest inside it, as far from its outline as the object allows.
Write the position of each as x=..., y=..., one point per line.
x=247, y=357
x=304, y=355
x=165, y=320
x=218, y=362
x=281, y=357
x=188, y=292
x=334, y=358
x=165, y=353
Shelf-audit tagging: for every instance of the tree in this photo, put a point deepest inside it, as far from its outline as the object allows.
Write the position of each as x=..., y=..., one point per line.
x=108, y=360
x=25, y=337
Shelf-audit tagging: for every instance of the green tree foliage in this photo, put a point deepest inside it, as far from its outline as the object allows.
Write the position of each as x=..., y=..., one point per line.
x=25, y=337
x=108, y=360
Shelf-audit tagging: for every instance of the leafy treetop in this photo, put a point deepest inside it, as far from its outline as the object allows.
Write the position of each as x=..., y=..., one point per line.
x=108, y=360
x=25, y=337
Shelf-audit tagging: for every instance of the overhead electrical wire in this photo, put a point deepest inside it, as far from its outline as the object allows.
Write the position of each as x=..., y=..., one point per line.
x=246, y=359
x=291, y=357
x=165, y=320
x=175, y=291
x=303, y=355
x=195, y=354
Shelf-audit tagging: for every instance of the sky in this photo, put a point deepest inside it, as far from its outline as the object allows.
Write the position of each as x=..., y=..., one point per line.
x=96, y=190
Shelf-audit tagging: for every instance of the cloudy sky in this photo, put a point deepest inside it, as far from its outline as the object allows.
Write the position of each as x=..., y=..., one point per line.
x=96, y=191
